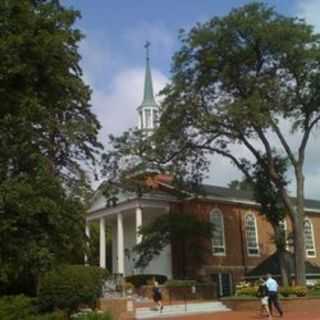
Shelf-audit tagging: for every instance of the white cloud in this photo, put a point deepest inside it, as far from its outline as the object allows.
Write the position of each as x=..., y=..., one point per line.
x=116, y=106
x=309, y=9
x=162, y=40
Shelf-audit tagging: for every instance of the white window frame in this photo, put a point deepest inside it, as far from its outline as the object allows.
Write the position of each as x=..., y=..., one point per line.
x=141, y=122
x=312, y=255
x=257, y=248
x=217, y=211
x=155, y=118
x=148, y=119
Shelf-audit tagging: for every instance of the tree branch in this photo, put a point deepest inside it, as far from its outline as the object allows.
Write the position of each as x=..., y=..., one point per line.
x=284, y=143
x=305, y=138
x=231, y=157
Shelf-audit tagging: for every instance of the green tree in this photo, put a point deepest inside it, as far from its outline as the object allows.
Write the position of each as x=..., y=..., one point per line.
x=189, y=234
x=48, y=135
x=235, y=81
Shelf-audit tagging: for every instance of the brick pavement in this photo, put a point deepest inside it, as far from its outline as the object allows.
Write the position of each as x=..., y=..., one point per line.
x=246, y=316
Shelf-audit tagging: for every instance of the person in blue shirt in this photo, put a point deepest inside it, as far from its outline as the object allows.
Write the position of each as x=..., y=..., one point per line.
x=262, y=293
x=273, y=288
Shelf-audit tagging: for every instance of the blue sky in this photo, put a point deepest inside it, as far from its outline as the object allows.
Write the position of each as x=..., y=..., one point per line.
x=113, y=58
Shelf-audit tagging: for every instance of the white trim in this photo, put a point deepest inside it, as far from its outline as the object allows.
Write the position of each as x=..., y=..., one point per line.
x=120, y=244
x=138, y=224
x=102, y=242
x=217, y=211
x=251, y=214
x=313, y=239
x=87, y=243
x=248, y=202
x=127, y=205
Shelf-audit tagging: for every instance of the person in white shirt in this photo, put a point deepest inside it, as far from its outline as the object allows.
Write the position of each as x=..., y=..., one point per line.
x=273, y=287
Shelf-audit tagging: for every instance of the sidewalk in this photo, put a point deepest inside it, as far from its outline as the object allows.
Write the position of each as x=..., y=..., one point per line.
x=247, y=316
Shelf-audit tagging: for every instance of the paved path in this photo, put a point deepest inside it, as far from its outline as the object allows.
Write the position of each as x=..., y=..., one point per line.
x=247, y=316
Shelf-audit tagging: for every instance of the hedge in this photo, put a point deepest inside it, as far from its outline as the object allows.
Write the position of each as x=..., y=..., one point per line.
x=70, y=286
x=247, y=291
x=180, y=283
x=298, y=291
x=95, y=316
x=16, y=307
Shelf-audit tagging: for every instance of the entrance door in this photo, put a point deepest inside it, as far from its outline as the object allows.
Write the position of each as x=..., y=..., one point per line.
x=223, y=282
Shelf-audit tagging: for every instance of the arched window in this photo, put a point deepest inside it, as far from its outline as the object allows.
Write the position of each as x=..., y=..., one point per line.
x=251, y=235
x=309, y=239
x=218, y=242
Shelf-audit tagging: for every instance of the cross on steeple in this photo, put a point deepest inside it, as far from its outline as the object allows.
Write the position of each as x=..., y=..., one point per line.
x=147, y=45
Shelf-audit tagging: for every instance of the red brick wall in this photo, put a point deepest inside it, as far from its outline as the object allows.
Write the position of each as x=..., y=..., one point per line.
x=236, y=261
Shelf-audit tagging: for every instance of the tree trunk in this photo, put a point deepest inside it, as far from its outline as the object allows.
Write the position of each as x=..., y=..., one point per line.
x=280, y=242
x=283, y=268
x=299, y=250
x=298, y=228
x=297, y=219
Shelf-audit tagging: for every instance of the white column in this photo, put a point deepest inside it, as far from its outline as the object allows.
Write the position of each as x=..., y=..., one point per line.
x=138, y=224
x=102, y=243
x=120, y=244
x=144, y=119
x=152, y=117
x=87, y=232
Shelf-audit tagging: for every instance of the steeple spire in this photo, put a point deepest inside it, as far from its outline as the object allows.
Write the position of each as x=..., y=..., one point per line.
x=148, y=97
x=148, y=110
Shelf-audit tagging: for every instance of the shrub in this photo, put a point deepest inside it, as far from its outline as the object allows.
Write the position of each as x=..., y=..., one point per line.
x=286, y=291
x=247, y=291
x=242, y=284
x=139, y=280
x=70, y=286
x=50, y=316
x=300, y=291
x=180, y=283
x=316, y=286
x=94, y=316
x=16, y=307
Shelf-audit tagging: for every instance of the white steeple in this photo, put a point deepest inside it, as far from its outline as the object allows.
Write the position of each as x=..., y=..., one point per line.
x=148, y=110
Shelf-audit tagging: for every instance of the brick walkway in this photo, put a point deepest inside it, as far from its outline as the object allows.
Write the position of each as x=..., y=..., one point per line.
x=247, y=316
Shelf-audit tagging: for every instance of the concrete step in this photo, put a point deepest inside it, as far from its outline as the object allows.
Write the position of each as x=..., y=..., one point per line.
x=180, y=309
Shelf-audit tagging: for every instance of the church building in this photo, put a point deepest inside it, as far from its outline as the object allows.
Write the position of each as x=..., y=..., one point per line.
x=242, y=240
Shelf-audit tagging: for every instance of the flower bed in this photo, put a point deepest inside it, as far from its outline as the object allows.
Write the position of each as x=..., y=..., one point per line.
x=293, y=304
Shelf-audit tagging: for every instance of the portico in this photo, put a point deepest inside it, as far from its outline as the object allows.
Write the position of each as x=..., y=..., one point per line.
x=124, y=220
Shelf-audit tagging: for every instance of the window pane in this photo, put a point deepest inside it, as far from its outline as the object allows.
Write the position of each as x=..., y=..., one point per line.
x=218, y=246
x=308, y=238
x=148, y=119
x=251, y=235
x=155, y=118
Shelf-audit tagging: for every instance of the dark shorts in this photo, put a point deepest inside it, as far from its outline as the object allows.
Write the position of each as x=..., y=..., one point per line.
x=157, y=296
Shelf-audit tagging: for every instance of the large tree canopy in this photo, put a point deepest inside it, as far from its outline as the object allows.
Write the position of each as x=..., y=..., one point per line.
x=237, y=83
x=48, y=134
